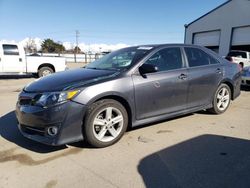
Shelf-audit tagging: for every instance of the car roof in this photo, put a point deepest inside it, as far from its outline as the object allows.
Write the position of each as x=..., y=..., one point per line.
x=155, y=46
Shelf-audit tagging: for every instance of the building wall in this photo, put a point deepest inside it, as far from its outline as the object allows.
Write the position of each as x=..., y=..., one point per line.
x=235, y=13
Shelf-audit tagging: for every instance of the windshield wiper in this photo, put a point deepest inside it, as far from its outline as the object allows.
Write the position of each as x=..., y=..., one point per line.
x=110, y=69
x=91, y=68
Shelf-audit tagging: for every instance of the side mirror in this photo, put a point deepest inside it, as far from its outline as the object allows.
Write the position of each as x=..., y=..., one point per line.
x=147, y=68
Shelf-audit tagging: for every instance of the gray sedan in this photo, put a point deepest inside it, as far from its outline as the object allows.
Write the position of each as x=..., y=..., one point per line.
x=128, y=87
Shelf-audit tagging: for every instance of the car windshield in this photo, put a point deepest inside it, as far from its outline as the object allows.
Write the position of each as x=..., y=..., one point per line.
x=120, y=59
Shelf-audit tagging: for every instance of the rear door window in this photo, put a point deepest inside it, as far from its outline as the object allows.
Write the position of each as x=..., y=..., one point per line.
x=197, y=57
x=9, y=49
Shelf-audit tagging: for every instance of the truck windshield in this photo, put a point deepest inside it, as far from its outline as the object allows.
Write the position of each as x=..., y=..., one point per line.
x=238, y=54
x=120, y=59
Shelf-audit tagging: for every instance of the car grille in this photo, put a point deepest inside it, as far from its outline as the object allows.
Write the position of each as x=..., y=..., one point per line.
x=28, y=100
x=25, y=101
x=33, y=130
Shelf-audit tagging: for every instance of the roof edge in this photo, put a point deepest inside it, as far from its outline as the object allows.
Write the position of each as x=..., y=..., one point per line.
x=186, y=25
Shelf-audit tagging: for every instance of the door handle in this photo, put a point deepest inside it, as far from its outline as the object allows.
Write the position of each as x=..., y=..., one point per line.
x=20, y=60
x=182, y=77
x=218, y=71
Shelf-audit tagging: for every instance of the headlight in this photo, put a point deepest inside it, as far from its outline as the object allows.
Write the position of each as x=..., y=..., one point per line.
x=49, y=99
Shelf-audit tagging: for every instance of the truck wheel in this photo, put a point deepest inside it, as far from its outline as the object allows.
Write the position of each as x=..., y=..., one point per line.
x=105, y=123
x=44, y=71
x=222, y=99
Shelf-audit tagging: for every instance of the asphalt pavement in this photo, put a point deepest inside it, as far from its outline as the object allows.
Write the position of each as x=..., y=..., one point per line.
x=196, y=150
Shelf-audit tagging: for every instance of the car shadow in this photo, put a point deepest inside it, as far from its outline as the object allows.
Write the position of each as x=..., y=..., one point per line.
x=204, y=112
x=204, y=161
x=130, y=128
x=10, y=132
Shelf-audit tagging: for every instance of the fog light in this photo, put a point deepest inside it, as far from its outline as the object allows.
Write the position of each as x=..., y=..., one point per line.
x=52, y=131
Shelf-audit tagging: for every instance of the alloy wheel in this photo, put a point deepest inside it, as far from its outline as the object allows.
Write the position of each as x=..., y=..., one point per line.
x=108, y=124
x=223, y=99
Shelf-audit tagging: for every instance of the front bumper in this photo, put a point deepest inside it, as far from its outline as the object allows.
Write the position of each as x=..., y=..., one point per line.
x=34, y=122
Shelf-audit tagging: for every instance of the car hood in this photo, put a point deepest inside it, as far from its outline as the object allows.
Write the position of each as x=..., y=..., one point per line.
x=69, y=79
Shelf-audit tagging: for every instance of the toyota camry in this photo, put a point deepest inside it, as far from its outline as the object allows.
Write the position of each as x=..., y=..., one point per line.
x=126, y=88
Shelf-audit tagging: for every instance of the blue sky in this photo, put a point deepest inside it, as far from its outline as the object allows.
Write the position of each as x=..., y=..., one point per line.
x=98, y=21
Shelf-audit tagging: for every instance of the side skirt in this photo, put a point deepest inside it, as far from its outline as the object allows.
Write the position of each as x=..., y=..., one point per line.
x=169, y=115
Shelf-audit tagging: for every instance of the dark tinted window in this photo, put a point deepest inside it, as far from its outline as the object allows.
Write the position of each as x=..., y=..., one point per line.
x=237, y=54
x=10, y=49
x=197, y=57
x=166, y=59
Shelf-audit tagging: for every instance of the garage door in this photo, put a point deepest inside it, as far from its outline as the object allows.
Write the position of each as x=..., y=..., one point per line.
x=241, y=36
x=211, y=38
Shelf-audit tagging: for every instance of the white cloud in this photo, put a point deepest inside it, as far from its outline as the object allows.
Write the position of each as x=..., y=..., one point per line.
x=7, y=41
x=36, y=40
x=100, y=47
x=68, y=45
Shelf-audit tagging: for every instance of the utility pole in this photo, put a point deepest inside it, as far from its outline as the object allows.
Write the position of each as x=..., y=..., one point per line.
x=76, y=48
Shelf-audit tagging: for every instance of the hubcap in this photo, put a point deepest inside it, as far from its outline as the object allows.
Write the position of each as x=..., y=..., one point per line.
x=46, y=72
x=223, y=99
x=108, y=124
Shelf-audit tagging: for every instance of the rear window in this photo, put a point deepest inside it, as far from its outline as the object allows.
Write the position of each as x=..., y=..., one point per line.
x=9, y=49
x=197, y=57
x=237, y=54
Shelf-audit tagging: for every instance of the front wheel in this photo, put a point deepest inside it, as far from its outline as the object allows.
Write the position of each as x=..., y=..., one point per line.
x=222, y=99
x=105, y=123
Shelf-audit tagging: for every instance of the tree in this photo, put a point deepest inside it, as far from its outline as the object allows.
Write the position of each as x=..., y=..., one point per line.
x=77, y=49
x=59, y=48
x=30, y=46
x=49, y=46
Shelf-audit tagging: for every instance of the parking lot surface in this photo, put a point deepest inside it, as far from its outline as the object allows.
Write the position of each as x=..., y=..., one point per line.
x=196, y=150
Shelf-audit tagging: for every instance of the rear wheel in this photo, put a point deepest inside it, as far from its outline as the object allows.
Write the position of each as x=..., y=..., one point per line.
x=105, y=123
x=222, y=99
x=44, y=71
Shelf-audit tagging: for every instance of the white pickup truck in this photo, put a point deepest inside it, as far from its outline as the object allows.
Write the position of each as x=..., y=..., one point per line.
x=240, y=57
x=13, y=61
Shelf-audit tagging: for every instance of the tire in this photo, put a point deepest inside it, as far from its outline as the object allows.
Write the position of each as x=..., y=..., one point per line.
x=44, y=71
x=221, y=100
x=105, y=123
